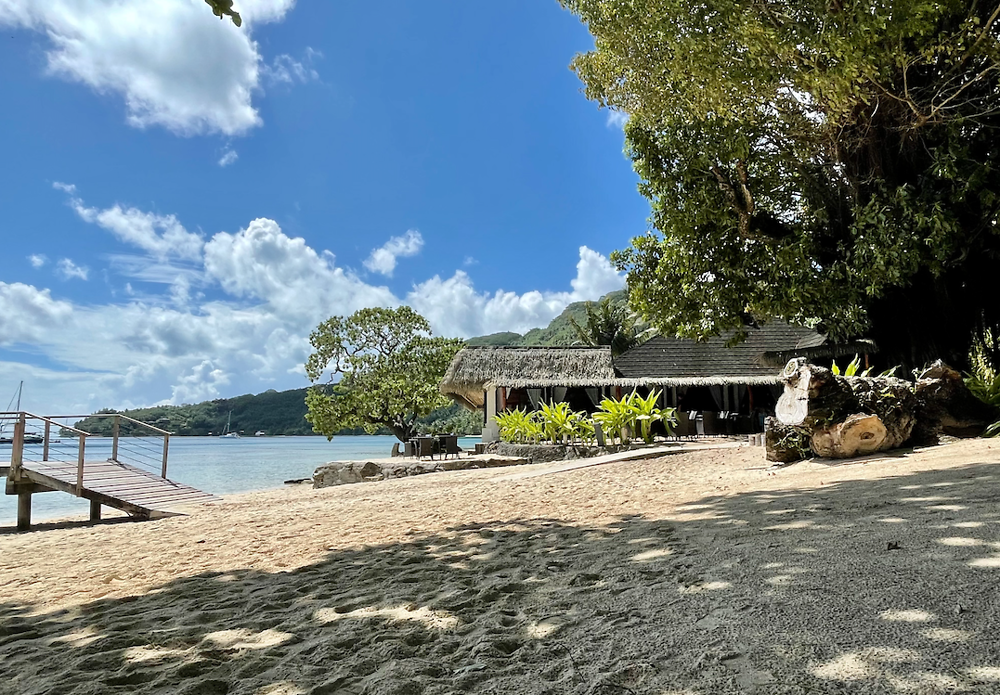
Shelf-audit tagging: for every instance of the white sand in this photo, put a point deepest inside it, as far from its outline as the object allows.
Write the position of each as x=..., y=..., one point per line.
x=696, y=573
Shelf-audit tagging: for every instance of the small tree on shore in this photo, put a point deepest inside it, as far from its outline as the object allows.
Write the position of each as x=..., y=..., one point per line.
x=384, y=369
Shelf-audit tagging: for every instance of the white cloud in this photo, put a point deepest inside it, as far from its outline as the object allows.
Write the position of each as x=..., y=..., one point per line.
x=174, y=64
x=69, y=270
x=27, y=313
x=286, y=70
x=64, y=187
x=159, y=235
x=595, y=276
x=37, y=260
x=383, y=260
x=617, y=119
x=228, y=157
x=454, y=307
x=168, y=343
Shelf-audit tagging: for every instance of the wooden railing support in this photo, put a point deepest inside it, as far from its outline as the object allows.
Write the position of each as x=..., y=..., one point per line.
x=166, y=446
x=115, y=431
x=48, y=437
x=79, y=464
x=24, y=509
x=17, y=449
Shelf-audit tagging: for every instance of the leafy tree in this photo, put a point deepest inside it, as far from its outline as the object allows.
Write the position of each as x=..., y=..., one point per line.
x=608, y=323
x=828, y=162
x=225, y=7
x=389, y=369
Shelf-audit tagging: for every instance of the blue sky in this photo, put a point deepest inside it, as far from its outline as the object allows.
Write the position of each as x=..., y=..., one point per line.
x=183, y=201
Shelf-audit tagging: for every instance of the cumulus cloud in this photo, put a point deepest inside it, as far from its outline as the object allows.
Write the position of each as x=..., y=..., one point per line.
x=228, y=157
x=383, y=259
x=454, y=307
x=263, y=263
x=37, y=260
x=68, y=270
x=27, y=313
x=162, y=236
x=267, y=292
x=171, y=61
x=617, y=119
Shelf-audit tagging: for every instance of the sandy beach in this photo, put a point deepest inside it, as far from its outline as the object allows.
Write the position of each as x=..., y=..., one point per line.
x=691, y=574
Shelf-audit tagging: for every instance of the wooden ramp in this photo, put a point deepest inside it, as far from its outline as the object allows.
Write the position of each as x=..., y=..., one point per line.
x=137, y=492
x=121, y=481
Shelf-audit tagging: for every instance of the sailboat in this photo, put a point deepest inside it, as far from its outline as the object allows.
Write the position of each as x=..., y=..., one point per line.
x=226, y=433
x=29, y=437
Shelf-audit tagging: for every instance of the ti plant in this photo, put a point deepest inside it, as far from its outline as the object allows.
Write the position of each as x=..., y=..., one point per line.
x=558, y=420
x=519, y=426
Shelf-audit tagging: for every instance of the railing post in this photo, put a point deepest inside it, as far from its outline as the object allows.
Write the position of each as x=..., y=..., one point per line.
x=17, y=449
x=45, y=446
x=79, y=465
x=115, y=431
x=166, y=445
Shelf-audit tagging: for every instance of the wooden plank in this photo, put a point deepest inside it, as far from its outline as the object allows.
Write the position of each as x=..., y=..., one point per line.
x=151, y=497
x=169, y=501
x=132, y=489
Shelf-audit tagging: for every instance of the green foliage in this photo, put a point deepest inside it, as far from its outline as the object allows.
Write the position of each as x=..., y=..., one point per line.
x=854, y=366
x=827, y=163
x=451, y=419
x=984, y=384
x=273, y=412
x=389, y=368
x=225, y=7
x=519, y=427
x=608, y=323
x=558, y=420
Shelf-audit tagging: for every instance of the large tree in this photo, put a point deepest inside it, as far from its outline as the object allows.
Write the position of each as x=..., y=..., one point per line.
x=828, y=162
x=383, y=370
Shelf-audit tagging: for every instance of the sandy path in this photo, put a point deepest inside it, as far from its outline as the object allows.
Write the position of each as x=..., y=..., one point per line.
x=697, y=573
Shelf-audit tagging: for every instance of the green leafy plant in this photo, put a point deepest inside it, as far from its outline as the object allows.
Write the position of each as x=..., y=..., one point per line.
x=646, y=413
x=616, y=417
x=519, y=426
x=557, y=420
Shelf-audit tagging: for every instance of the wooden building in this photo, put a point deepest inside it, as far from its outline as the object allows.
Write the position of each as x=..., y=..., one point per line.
x=742, y=381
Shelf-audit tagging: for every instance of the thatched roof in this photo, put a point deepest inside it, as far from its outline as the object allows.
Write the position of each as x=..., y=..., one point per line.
x=681, y=362
x=475, y=368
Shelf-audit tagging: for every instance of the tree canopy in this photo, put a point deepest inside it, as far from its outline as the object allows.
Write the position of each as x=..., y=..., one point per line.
x=608, y=323
x=384, y=369
x=828, y=162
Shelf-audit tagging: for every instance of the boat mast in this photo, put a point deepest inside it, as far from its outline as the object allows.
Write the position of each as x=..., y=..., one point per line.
x=18, y=408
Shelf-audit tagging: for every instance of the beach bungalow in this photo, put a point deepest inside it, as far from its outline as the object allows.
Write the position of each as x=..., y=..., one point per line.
x=739, y=384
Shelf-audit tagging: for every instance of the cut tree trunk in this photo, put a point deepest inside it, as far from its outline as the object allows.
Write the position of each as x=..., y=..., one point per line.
x=853, y=416
x=785, y=443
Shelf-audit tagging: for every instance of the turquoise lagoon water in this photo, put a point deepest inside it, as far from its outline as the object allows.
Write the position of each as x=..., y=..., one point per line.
x=221, y=466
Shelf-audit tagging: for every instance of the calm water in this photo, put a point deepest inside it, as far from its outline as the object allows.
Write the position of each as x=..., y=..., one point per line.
x=220, y=466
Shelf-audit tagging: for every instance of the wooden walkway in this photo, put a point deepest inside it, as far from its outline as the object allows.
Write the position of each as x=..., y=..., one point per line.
x=139, y=493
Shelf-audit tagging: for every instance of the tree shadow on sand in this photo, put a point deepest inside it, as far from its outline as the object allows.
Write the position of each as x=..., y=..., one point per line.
x=854, y=587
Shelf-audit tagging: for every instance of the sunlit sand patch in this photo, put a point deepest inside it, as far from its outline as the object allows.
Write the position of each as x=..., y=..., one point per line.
x=806, y=550
x=929, y=498
x=226, y=578
x=781, y=511
x=985, y=562
x=242, y=638
x=846, y=667
x=924, y=682
x=890, y=655
x=985, y=673
x=141, y=655
x=80, y=638
x=544, y=628
x=908, y=616
x=652, y=555
x=772, y=565
x=715, y=586
x=893, y=520
x=968, y=524
x=646, y=539
x=438, y=620
x=943, y=634
x=948, y=507
x=282, y=688
x=959, y=541
x=792, y=525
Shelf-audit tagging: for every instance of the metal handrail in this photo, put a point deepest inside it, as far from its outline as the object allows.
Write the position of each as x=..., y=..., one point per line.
x=17, y=453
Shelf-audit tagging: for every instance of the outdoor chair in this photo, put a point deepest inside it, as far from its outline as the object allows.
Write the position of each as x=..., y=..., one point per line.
x=409, y=450
x=425, y=447
x=449, y=446
x=395, y=450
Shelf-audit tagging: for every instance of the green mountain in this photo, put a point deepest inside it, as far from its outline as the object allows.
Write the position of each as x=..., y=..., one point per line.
x=273, y=412
x=559, y=332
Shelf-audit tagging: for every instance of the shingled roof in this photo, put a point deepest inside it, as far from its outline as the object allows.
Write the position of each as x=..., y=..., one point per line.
x=683, y=362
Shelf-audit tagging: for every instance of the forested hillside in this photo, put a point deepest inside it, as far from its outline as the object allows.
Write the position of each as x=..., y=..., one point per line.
x=559, y=332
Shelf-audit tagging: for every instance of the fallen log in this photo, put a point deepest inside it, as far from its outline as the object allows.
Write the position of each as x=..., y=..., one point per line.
x=852, y=416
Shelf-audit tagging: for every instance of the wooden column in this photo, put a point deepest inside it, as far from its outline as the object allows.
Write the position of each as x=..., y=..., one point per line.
x=95, y=510
x=24, y=509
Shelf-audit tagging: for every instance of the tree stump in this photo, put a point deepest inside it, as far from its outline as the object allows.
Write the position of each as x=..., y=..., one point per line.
x=946, y=406
x=785, y=443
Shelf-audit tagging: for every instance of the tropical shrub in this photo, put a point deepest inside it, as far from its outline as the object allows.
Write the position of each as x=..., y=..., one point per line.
x=519, y=426
x=984, y=383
